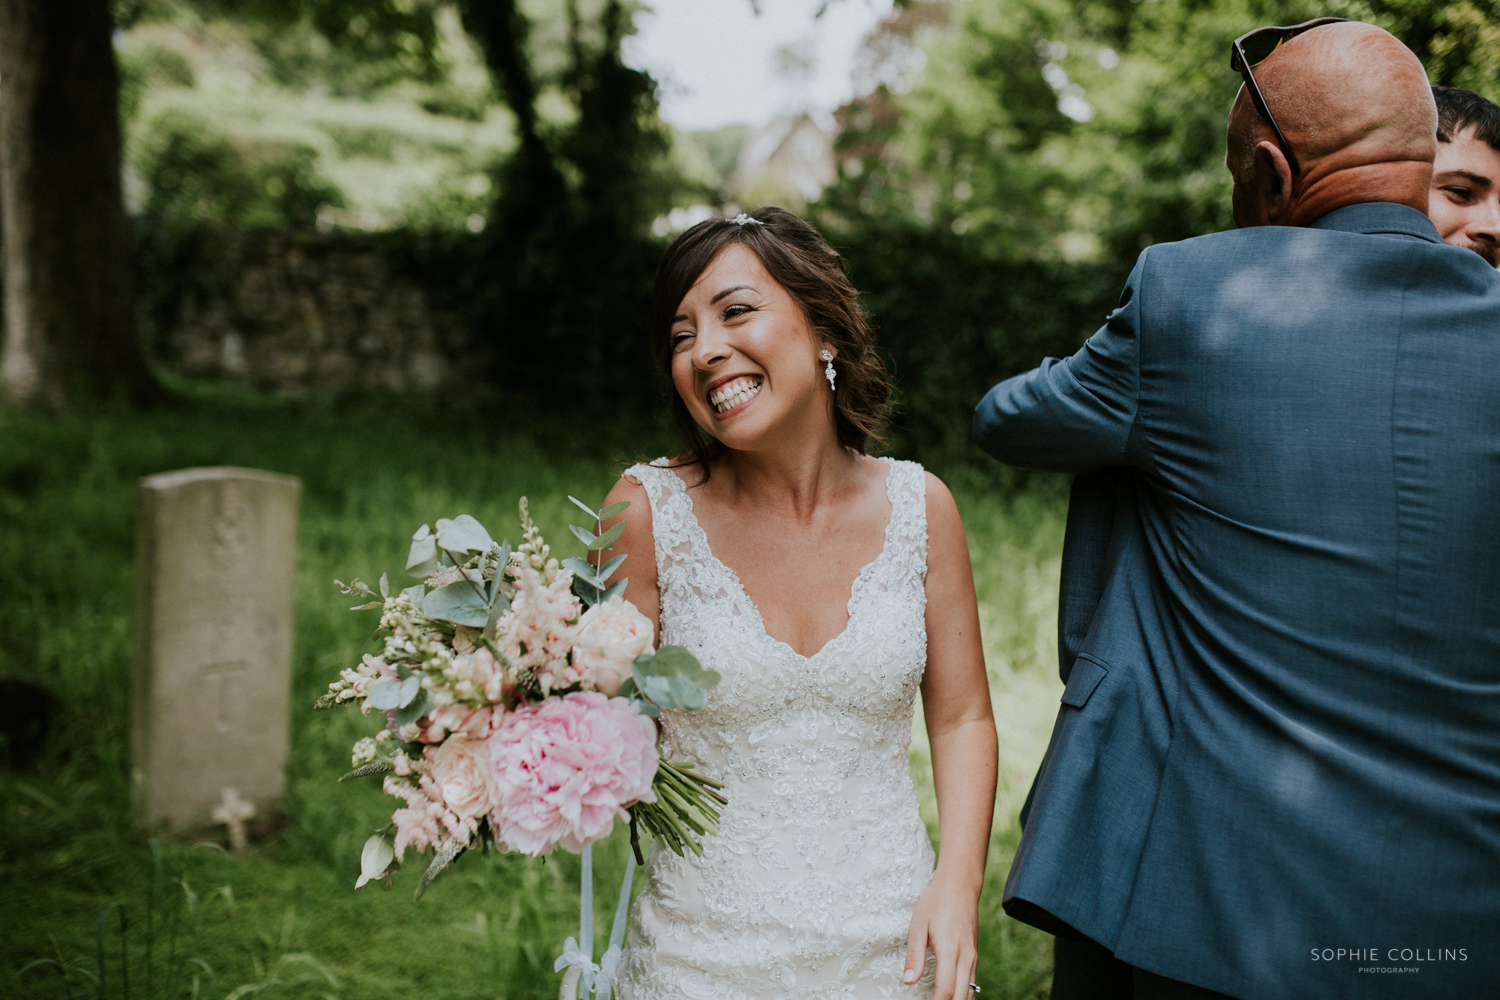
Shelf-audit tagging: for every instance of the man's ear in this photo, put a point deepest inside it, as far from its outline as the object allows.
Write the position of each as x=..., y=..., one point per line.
x=1273, y=182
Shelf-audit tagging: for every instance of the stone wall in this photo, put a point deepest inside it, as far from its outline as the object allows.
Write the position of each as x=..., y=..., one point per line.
x=304, y=314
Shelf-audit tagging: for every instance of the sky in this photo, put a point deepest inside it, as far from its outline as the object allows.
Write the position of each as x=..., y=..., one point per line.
x=718, y=63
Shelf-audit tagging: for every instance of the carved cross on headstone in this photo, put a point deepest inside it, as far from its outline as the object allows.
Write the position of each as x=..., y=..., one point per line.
x=232, y=812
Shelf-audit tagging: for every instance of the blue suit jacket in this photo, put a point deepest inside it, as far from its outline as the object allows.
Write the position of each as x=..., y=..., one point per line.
x=1281, y=615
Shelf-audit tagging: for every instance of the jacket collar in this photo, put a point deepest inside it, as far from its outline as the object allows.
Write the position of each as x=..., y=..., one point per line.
x=1380, y=218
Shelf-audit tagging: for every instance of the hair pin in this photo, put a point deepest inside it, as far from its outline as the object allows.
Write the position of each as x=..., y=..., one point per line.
x=743, y=220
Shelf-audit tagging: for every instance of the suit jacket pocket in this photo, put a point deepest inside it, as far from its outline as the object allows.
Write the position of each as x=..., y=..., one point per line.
x=1086, y=674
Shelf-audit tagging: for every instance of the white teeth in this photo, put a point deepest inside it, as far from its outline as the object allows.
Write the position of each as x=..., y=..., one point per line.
x=732, y=394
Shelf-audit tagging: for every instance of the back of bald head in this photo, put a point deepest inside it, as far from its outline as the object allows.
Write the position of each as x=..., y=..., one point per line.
x=1355, y=106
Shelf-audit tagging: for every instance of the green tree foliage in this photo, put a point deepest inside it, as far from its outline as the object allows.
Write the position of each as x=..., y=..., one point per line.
x=1088, y=129
x=1043, y=145
x=560, y=287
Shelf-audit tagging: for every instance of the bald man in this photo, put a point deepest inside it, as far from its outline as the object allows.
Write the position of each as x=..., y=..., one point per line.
x=1275, y=772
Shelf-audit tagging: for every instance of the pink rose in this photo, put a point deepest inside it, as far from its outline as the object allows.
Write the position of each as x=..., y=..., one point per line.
x=610, y=637
x=460, y=720
x=565, y=769
x=462, y=776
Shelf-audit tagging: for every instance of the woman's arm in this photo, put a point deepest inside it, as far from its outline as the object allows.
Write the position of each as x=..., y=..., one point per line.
x=636, y=543
x=961, y=729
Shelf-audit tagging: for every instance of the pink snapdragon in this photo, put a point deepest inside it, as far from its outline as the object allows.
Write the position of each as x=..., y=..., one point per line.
x=565, y=769
x=537, y=632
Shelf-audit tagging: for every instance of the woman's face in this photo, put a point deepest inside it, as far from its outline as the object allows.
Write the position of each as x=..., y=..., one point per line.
x=744, y=358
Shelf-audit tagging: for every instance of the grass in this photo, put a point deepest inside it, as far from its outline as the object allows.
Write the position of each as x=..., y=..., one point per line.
x=88, y=899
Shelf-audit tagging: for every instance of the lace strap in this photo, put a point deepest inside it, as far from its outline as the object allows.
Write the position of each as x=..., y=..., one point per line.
x=907, y=490
x=666, y=492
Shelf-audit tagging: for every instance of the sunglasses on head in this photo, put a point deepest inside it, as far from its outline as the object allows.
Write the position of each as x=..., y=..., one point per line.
x=1253, y=48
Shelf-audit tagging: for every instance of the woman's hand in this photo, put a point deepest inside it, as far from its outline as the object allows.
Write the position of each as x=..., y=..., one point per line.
x=946, y=921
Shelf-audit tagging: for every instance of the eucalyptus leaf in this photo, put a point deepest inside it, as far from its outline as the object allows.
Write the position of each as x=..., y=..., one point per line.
x=632, y=692
x=591, y=512
x=607, y=539
x=672, y=678
x=616, y=589
x=581, y=570
x=584, y=535
x=419, y=706
x=384, y=695
x=609, y=567
x=421, y=558
x=376, y=859
x=385, y=585
x=460, y=603
x=463, y=534
x=614, y=510
x=367, y=607
x=414, y=594
x=409, y=688
x=587, y=592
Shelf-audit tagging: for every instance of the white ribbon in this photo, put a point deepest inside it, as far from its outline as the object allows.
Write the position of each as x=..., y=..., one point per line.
x=611, y=960
x=573, y=956
x=591, y=978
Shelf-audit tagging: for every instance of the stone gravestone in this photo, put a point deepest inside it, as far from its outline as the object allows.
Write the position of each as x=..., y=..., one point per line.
x=211, y=682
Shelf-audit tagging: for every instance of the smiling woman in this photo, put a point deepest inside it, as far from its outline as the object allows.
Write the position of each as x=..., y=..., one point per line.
x=826, y=587
x=773, y=261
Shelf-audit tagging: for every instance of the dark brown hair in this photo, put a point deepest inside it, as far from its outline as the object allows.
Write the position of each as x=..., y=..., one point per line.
x=814, y=274
x=1459, y=109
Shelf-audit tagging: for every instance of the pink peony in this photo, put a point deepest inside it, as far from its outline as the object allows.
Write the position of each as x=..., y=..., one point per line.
x=462, y=775
x=565, y=769
x=610, y=637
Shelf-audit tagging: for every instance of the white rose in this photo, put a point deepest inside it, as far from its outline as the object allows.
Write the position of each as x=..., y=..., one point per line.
x=462, y=773
x=610, y=637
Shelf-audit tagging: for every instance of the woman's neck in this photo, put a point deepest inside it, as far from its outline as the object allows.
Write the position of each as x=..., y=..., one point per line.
x=793, y=480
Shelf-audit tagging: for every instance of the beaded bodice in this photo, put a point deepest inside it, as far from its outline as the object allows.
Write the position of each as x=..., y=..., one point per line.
x=808, y=888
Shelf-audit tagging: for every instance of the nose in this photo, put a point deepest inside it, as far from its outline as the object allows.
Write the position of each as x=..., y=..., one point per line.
x=1486, y=229
x=710, y=348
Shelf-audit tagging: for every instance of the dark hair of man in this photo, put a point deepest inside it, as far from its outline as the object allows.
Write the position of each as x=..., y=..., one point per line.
x=1460, y=110
x=814, y=274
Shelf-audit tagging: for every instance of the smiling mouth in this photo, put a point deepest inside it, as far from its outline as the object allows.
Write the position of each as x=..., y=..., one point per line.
x=731, y=394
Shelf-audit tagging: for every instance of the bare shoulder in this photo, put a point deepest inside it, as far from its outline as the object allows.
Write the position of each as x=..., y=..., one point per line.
x=636, y=542
x=638, y=514
x=945, y=528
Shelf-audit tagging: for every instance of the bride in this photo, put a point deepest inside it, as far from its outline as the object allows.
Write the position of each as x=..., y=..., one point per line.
x=826, y=587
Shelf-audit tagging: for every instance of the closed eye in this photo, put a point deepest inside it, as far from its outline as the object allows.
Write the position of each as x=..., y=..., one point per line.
x=735, y=311
x=679, y=338
x=1460, y=194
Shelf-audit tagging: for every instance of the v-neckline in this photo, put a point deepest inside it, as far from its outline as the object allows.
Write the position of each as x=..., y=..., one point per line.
x=854, y=589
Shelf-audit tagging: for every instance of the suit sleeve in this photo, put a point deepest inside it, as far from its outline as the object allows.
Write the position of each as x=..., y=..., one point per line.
x=1075, y=414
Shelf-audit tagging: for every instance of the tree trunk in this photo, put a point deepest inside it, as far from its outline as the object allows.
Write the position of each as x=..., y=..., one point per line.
x=501, y=28
x=69, y=309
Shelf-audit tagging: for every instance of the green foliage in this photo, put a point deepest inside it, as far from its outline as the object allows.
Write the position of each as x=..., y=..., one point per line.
x=194, y=176
x=1085, y=130
x=492, y=926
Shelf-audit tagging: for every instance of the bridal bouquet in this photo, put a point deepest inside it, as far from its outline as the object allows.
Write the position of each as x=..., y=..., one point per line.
x=518, y=693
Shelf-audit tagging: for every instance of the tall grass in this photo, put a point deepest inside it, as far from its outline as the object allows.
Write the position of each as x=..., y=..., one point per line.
x=189, y=919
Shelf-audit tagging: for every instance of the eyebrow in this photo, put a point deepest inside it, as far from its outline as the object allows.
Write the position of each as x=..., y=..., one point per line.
x=1479, y=180
x=727, y=291
x=735, y=288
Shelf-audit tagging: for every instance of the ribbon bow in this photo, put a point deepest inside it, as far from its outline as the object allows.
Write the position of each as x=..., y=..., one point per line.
x=573, y=956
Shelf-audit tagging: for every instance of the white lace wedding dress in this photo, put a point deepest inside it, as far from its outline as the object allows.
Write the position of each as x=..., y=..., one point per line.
x=808, y=889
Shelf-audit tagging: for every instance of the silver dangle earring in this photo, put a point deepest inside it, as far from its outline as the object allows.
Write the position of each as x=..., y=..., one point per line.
x=828, y=372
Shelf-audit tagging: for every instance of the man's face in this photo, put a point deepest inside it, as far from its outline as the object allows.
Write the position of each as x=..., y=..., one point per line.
x=1464, y=202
